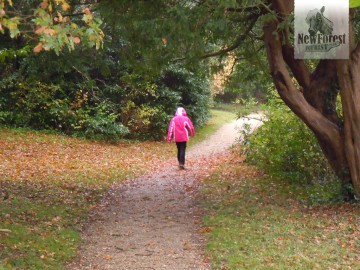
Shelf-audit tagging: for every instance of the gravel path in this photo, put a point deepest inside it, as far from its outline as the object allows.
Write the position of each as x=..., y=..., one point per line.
x=152, y=222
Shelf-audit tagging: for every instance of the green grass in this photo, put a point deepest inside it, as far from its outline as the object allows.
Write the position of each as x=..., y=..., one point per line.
x=228, y=107
x=254, y=222
x=45, y=221
x=218, y=119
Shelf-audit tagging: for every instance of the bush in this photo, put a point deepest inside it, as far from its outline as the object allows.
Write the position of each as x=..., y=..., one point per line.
x=193, y=90
x=284, y=147
x=103, y=125
x=93, y=122
x=26, y=104
x=45, y=106
x=99, y=96
x=145, y=122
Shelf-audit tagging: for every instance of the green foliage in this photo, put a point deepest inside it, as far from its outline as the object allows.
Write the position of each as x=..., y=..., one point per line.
x=250, y=79
x=354, y=3
x=284, y=147
x=255, y=222
x=194, y=90
x=101, y=124
x=99, y=101
x=46, y=106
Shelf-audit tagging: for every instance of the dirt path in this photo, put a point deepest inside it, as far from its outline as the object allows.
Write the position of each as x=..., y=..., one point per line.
x=152, y=222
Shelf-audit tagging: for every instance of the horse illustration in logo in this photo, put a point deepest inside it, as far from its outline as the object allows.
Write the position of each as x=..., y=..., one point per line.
x=318, y=23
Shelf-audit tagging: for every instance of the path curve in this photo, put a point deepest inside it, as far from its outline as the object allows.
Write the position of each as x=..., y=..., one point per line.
x=152, y=222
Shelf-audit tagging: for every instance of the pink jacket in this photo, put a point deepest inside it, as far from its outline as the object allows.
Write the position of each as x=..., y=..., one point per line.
x=180, y=127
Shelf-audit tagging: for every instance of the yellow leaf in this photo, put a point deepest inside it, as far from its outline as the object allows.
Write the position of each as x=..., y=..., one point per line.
x=107, y=257
x=60, y=16
x=50, y=32
x=39, y=30
x=65, y=6
x=87, y=11
x=38, y=47
x=10, y=2
x=44, y=4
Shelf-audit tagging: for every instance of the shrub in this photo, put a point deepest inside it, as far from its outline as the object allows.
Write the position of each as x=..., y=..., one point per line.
x=26, y=104
x=64, y=92
x=193, y=90
x=146, y=122
x=45, y=106
x=93, y=122
x=103, y=126
x=284, y=147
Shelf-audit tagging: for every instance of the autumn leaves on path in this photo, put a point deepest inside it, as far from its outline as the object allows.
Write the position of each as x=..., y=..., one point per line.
x=153, y=222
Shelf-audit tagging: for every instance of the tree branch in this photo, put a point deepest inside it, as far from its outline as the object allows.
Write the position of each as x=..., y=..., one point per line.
x=297, y=66
x=327, y=132
x=236, y=43
x=248, y=9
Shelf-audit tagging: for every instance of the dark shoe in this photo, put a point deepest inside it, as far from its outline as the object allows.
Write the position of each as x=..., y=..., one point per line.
x=181, y=167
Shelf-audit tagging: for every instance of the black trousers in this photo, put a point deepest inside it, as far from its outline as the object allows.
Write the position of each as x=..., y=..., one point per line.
x=181, y=147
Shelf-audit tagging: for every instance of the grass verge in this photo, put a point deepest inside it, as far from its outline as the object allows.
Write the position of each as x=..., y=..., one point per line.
x=254, y=222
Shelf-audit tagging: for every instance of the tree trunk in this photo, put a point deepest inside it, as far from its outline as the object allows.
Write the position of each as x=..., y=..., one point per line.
x=349, y=80
x=323, y=123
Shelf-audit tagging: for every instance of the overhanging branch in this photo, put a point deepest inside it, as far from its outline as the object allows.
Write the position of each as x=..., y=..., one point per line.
x=236, y=43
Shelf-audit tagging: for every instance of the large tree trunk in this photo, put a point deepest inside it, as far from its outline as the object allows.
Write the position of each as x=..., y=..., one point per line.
x=349, y=80
x=315, y=101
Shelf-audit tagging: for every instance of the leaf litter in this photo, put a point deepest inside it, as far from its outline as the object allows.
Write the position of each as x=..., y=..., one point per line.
x=154, y=221
x=48, y=185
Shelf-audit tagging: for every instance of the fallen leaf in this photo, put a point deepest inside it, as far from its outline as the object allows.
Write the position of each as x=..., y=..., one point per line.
x=107, y=257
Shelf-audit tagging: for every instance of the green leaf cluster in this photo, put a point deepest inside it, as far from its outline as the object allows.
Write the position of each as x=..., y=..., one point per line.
x=285, y=148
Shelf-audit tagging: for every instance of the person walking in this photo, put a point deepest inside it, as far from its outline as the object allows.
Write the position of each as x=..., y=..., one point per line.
x=180, y=128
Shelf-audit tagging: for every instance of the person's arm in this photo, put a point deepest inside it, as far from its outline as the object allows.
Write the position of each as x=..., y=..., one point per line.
x=170, y=130
x=190, y=127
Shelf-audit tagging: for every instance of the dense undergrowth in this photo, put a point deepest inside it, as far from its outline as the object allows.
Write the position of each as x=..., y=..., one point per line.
x=285, y=148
